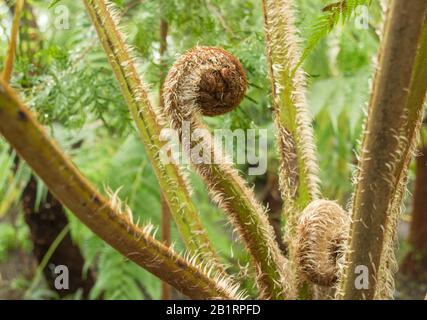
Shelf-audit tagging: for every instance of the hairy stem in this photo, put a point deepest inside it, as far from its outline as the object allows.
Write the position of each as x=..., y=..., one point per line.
x=251, y=222
x=29, y=139
x=10, y=55
x=415, y=113
x=166, y=216
x=385, y=144
x=171, y=180
x=298, y=168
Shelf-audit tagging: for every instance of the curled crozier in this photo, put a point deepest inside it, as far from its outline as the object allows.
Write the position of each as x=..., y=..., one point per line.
x=321, y=239
x=208, y=81
x=205, y=80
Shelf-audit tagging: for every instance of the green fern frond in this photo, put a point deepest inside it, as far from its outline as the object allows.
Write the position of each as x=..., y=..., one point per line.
x=330, y=18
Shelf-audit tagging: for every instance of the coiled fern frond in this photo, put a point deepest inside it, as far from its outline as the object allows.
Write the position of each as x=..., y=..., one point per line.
x=321, y=238
x=210, y=81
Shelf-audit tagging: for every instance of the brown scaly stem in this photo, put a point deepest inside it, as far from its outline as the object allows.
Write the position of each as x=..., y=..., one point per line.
x=383, y=148
x=108, y=221
x=149, y=123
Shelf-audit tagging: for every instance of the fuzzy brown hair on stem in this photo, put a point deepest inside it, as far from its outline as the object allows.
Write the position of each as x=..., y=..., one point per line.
x=321, y=237
x=189, y=94
x=298, y=170
x=415, y=115
x=385, y=144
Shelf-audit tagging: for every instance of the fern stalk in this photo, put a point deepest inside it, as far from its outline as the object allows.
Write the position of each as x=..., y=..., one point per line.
x=105, y=218
x=165, y=213
x=250, y=219
x=385, y=144
x=10, y=55
x=415, y=115
x=172, y=182
x=298, y=168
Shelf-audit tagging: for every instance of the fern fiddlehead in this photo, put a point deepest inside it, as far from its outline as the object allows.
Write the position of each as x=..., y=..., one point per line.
x=320, y=244
x=210, y=81
x=207, y=81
